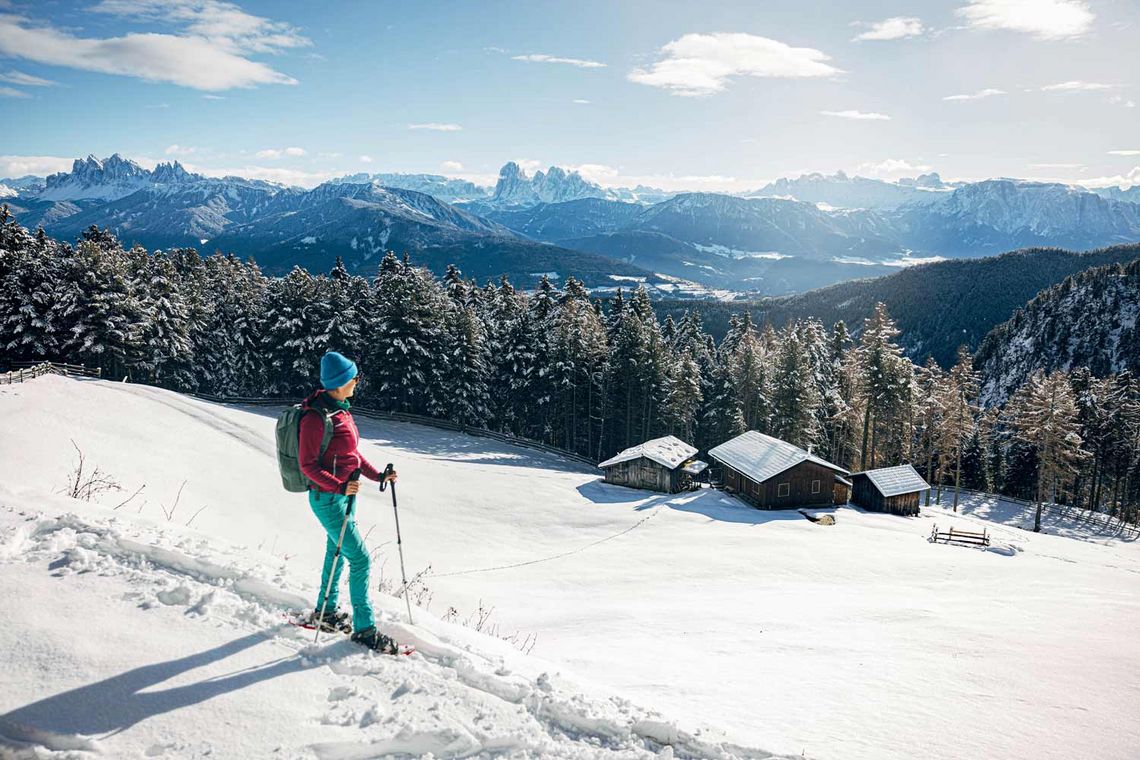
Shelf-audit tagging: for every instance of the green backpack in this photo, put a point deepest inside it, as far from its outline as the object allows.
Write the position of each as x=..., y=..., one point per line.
x=289, y=444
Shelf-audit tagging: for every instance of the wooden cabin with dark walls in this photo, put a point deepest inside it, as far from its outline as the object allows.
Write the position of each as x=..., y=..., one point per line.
x=888, y=489
x=662, y=464
x=773, y=474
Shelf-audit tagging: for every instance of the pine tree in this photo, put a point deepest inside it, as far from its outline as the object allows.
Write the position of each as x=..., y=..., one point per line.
x=404, y=369
x=467, y=369
x=684, y=397
x=166, y=354
x=795, y=397
x=293, y=349
x=1044, y=415
x=958, y=413
x=100, y=306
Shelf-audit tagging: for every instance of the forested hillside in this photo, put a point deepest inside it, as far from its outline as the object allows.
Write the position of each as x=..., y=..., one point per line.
x=557, y=366
x=1087, y=320
x=938, y=306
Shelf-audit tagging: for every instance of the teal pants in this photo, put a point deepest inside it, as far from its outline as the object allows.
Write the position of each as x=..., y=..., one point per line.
x=329, y=509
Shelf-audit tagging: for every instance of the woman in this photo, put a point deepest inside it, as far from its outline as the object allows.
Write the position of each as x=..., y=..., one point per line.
x=329, y=490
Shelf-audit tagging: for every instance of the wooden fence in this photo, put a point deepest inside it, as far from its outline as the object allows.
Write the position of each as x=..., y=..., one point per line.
x=27, y=370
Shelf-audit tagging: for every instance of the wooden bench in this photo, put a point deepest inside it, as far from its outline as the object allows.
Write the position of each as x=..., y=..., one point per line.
x=953, y=536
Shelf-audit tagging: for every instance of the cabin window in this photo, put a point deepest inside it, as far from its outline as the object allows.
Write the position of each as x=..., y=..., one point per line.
x=783, y=489
x=815, y=486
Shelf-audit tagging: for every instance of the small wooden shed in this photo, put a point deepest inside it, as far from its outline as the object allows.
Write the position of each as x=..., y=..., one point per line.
x=888, y=489
x=773, y=474
x=662, y=464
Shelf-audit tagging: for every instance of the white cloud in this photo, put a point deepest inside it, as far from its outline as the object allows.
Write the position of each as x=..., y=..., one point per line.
x=435, y=126
x=892, y=168
x=366, y=159
x=221, y=22
x=27, y=80
x=858, y=115
x=1124, y=153
x=276, y=153
x=12, y=92
x=894, y=28
x=18, y=166
x=1044, y=19
x=270, y=173
x=1077, y=85
x=544, y=58
x=989, y=92
x=701, y=64
x=180, y=150
x=1117, y=100
x=582, y=101
x=451, y=166
x=204, y=59
x=212, y=97
x=1057, y=166
x=1131, y=179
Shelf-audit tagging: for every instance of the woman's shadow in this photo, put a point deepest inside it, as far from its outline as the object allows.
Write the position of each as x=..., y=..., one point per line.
x=119, y=702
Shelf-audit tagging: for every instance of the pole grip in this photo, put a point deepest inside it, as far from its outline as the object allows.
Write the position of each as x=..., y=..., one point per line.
x=384, y=476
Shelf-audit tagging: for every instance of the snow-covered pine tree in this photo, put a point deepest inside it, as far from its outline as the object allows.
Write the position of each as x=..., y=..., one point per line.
x=885, y=377
x=100, y=306
x=467, y=369
x=794, y=394
x=31, y=275
x=579, y=356
x=166, y=355
x=720, y=417
x=406, y=353
x=685, y=394
x=291, y=341
x=748, y=361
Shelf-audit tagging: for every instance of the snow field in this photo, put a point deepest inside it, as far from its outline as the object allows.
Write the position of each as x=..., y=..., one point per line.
x=858, y=640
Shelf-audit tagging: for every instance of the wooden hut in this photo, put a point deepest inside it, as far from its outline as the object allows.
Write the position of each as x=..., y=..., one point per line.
x=773, y=474
x=663, y=464
x=888, y=489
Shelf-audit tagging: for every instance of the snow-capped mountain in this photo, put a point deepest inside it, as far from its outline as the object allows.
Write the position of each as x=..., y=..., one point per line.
x=178, y=213
x=1001, y=214
x=842, y=191
x=109, y=179
x=29, y=184
x=446, y=189
x=555, y=185
x=1087, y=320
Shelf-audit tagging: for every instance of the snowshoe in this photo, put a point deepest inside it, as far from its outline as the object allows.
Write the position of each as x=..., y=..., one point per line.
x=373, y=639
x=334, y=621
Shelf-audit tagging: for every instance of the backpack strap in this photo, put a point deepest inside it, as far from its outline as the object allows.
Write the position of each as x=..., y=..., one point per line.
x=328, y=432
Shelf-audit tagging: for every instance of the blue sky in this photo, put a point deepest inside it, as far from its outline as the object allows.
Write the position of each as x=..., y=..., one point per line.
x=711, y=95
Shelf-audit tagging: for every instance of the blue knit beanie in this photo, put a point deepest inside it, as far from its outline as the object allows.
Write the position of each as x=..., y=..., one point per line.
x=336, y=370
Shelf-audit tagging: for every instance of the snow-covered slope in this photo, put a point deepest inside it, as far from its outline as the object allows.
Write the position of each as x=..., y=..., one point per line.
x=858, y=640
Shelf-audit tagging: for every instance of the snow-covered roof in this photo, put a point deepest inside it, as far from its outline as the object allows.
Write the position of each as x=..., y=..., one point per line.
x=843, y=480
x=892, y=481
x=761, y=457
x=668, y=451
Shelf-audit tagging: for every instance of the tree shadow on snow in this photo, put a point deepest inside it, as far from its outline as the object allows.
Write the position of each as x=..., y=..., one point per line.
x=117, y=703
x=713, y=504
x=448, y=445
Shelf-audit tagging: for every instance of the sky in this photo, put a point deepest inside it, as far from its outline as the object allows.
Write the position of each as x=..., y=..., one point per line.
x=677, y=95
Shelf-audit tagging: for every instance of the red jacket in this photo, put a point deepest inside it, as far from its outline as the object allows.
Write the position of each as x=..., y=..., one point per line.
x=330, y=472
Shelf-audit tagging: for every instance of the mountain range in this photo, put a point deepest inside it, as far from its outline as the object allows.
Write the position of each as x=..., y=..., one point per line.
x=787, y=237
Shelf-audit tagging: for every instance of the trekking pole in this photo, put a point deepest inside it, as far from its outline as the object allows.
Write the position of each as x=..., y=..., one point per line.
x=399, y=543
x=332, y=570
